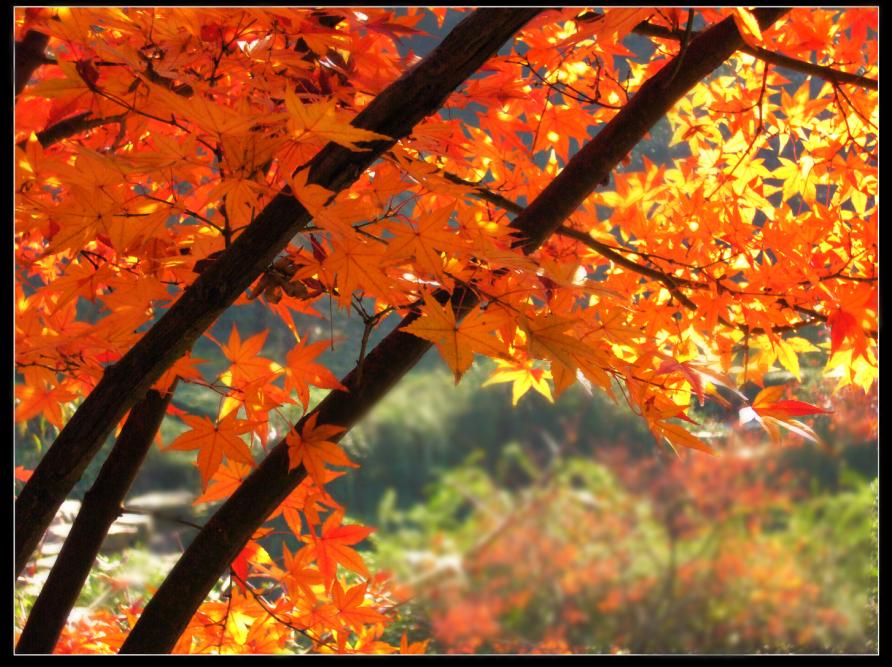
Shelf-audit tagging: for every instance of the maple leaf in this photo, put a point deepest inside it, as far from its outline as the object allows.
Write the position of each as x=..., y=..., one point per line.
x=546, y=340
x=690, y=374
x=677, y=435
x=352, y=612
x=414, y=647
x=81, y=279
x=458, y=343
x=842, y=325
x=207, y=114
x=301, y=577
x=331, y=546
x=767, y=403
x=258, y=398
x=224, y=482
x=313, y=448
x=184, y=367
x=324, y=120
x=245, y=364
x=523, y=376
x=359, y=265
x=43, y=400
x=301, y=371
x=424, y=239
x=772, y=414
x=308, y=498
x=438, y=325
x=213, y=440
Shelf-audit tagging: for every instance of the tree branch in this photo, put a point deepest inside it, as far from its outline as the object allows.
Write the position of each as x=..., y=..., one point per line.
x=71, y=126
x=28, y=57
x=168, y=612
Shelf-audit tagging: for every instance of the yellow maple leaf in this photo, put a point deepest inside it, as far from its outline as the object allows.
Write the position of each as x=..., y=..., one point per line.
x=524, y=377
x=748, y=26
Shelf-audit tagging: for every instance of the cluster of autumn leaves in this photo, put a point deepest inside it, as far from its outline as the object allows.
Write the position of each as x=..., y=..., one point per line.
x=192, y=122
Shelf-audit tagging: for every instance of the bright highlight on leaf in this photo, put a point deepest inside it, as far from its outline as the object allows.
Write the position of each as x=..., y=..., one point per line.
x=748, y=26
x=523, y=376
x=325, y=121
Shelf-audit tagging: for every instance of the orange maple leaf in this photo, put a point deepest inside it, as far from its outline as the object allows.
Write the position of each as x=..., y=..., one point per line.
x=213, y=441
x=301, y=577
x=224, y=482
x=359, y=266
x=678, y=435
x=351, y=611
x=457, y=342
x=424, y=239
x=313, y=448
x=414, y=647
x=301, y=371
x=308, y=498
x=184, y=367
x=331, y=547
x=246, y=366
x=41, y=400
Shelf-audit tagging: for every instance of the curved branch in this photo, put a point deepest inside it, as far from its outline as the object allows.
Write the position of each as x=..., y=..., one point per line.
x=671, y=282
